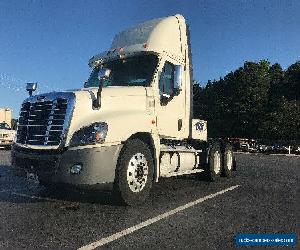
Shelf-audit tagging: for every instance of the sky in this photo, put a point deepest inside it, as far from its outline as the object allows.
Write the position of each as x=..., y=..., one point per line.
x=50, y=42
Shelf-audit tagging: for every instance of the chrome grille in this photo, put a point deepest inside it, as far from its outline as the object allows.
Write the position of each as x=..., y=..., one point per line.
x=42, y=122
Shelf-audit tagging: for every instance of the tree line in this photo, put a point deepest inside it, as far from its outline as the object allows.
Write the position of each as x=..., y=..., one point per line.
x=258, y=100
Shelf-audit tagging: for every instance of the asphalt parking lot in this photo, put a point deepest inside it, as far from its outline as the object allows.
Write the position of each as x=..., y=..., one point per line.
x=262, y=198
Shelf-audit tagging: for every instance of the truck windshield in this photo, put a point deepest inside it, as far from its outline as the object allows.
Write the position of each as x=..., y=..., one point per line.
x=133, y=71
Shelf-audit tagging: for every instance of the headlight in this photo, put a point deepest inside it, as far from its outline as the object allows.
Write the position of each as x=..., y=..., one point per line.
x=92, y=134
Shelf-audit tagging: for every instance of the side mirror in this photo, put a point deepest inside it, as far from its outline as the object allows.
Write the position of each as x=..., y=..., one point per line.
x=178, y=73
x=31, y=87
x=104, y=74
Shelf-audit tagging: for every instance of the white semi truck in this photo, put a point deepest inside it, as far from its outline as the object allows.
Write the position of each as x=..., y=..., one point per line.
x=6, y=133
x=130, y=124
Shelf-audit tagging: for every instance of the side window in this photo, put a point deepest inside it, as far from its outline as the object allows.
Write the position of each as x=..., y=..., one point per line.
x=166, y=81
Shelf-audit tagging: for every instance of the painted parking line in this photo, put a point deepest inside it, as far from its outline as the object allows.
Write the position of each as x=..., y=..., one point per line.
x=34, y=197
x=148, y=222
x=9, y=190
x=28, y=195
x=255, y=153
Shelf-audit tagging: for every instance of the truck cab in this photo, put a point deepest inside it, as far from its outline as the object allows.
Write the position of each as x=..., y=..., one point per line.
x=129, y=125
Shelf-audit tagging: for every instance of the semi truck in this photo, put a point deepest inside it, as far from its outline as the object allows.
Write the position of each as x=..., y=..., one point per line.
x=129, y=126
x=7, y=134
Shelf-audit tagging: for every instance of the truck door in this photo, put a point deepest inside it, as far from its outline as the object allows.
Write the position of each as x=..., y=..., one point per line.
x=171, y=108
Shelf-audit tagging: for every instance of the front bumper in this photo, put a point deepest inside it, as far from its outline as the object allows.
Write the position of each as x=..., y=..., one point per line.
x=53, y=167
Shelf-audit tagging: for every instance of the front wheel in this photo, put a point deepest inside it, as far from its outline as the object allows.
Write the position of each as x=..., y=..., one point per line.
x=134, y=173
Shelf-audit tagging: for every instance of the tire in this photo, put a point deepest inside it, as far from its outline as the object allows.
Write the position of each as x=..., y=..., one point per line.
x=228, y=160
x=234, y=168
x=134, y=173
x=214, y=167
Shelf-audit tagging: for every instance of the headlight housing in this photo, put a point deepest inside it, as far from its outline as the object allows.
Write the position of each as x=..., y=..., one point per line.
x=89, y=135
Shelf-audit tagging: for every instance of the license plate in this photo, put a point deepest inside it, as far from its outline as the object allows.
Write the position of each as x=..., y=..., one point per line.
x=32, y=177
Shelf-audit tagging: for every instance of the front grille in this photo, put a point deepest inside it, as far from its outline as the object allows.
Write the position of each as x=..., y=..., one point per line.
x=42, y=122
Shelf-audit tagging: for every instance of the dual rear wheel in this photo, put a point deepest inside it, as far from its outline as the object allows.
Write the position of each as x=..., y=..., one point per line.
x=220, y=161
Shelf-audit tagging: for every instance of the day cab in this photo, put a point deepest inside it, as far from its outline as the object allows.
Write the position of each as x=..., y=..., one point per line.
x=131, y=123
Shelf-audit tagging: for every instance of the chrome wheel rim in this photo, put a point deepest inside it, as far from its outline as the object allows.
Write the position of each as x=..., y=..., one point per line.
x=137, y=172
x=217, y=162
x=229, y=160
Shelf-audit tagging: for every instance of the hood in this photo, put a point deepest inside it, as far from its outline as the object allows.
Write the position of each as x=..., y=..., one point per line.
x=120, y=107
x=115, y=103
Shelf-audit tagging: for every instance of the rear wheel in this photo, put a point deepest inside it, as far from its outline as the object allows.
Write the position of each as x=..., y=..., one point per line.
x=228, y=160
x=134, y=173
x=214, y=168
